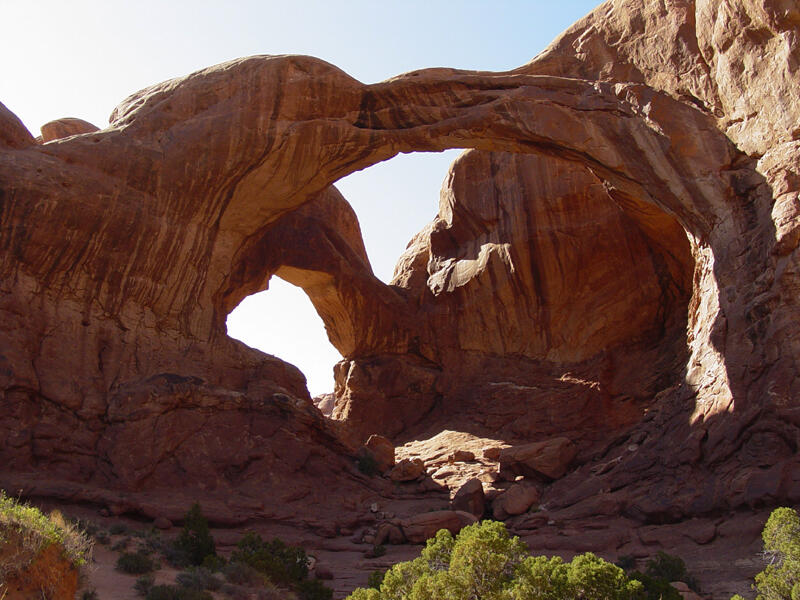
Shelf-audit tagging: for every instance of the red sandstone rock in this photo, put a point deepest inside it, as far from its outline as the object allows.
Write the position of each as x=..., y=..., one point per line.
x=61, y=128
x=461, y=456
x=492, y=453
x=382, y=450
x=419, y=528
x=407, y=470
x=470, y=498
x=514, y=501
x=549, y=458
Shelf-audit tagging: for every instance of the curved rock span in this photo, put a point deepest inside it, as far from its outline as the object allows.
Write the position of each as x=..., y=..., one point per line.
x=614, y=261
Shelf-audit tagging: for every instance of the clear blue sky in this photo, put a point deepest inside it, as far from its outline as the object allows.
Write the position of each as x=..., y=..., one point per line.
x=81, y=58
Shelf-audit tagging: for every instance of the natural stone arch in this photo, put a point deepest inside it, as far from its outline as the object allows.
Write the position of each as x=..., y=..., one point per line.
x=193, y=170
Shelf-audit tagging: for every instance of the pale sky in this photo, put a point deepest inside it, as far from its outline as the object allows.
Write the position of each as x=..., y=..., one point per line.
x=81, y=58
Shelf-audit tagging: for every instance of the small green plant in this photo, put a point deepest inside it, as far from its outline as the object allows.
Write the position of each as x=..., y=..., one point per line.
x=313, y=589
x=120, y=545
x=281, y=563
x=655, y=588
x=241, y=574
x=367, y=464
x=195, y=540
x=670, y=568
x=375, y=579
x=119, y=529
x=214, y=563
x=143, y=584
x=102, y=537
x=626, y=562
x=198, y=578
x=135, y=563
x=176, y=592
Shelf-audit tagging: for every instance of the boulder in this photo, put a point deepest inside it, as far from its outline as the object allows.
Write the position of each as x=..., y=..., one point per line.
x=421, y=527
x=461, y=456
x=61, y=128
x=381, y=450
x=491, y=452
x=549, y=458
x=407, y=470
x=470, y=498
x=514, y=501
x=389, y=533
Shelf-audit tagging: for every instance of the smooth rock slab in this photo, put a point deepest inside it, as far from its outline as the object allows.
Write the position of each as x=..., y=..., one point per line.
x=549, y=458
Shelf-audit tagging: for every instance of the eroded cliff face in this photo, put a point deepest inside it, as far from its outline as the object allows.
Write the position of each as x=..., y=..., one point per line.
x=615, y=258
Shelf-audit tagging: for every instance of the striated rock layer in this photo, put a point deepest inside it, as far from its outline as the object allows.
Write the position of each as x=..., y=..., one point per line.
x=614, y=262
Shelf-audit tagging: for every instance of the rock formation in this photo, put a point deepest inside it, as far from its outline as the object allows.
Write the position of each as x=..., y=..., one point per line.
x=614, y=261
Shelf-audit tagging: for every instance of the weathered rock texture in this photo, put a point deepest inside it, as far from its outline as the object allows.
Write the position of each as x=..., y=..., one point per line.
x=615, y=262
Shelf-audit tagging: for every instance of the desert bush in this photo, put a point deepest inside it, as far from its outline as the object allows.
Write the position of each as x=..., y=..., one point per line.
x=33, y=531
x=241, y=574
x=484, y=561
x=375, y=579
x=102, y=537
x=281, y=563
x=375, y=551
x=135, y=563
x=670, y=568
x=214, y=563
x=655, y=588
x=121, y=545
x=313, y=589
x=144, y=584
x=780, y=579
x=119, y=529
x=195, y=539
x=367, y=464
x=176, y=592
x=198, y=579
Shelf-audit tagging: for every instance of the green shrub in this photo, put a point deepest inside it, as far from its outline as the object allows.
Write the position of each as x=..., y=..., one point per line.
x=135, y=563
x=102, y=537
x=143, y=584
x=120, y=545
x=670, y=568
x=780, y=580
x=484, y=561
x=626, y=562
x=313, y=589
x=176, y=592
x=214, y=563
x=375, y=551
x=119, y=529
x=198, y=579
x=242, y=574
x=367, y=464
x=375, y=579
x=281, y=563
x=195, y=540
x=656, y=588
